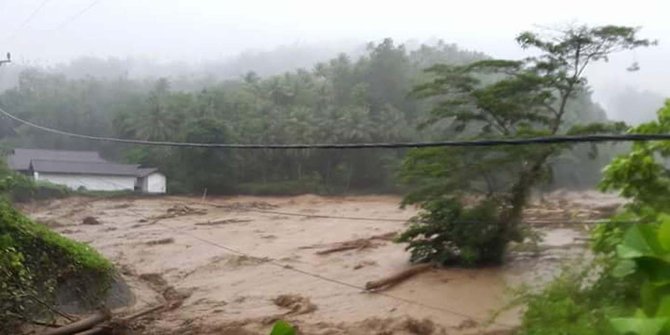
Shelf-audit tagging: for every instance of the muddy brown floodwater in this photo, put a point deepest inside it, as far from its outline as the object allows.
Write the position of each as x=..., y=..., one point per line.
x=240, y=263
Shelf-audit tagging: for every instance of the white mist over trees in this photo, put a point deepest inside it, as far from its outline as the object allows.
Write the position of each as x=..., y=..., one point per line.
x=634, y=105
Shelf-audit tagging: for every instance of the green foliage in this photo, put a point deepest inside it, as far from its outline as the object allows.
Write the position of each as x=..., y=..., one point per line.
x=15, y=284
x=282, y=328
x=506, y=99
x=23, y=189
x=447, y=232
x=36, y=261
x=645, y=253
x=630, y=292
x=641, y=174
x=575, y=303
x=342, y=100
x=20, y=188
x=608, y=234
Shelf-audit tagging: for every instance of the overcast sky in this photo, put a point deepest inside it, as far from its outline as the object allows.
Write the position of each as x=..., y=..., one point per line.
x=39, y=31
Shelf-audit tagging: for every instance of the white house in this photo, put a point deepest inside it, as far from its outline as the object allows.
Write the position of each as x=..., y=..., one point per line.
x=151, y=181
x=85, y=170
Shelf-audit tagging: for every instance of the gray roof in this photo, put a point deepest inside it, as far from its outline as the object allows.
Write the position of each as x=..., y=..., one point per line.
x=20, y=158
x=143, y=172
x=96, y=168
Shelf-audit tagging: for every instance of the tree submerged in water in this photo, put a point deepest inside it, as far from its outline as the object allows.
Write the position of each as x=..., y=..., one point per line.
x=472, y=200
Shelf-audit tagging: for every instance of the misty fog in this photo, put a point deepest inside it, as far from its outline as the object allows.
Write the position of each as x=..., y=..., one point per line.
x=198, y=39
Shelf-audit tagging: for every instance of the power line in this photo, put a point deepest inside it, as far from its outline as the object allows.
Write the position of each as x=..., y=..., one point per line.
x=359, y=218
x=28, y=19
x=382, y=145
x=324, y=278
x=331, y=280
x=313, y=216
x=78, y=14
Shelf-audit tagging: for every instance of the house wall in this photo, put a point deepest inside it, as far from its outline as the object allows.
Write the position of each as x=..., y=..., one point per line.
x=90, y=182
x=154, y=183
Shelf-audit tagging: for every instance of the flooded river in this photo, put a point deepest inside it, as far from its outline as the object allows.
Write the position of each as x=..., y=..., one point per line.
x=240, y=263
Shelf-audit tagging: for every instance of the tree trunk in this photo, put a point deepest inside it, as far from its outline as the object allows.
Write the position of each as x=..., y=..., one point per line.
x=511, y=217
x=81, y=325
x=377, y=285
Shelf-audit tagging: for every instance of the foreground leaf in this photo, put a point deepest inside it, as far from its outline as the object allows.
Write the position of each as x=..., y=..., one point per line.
x=639, y=326
x=639, y=241
x=282, y=328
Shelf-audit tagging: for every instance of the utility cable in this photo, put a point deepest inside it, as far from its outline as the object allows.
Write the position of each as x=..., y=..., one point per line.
x=331, y=280
x=78, y=14
x=28, y=19
x=359, y=218
x=312, y=216
x=452, y=143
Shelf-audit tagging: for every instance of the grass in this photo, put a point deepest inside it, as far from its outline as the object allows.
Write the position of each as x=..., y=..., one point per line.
x=23, y=189
x=38, y=262
x=39, y=237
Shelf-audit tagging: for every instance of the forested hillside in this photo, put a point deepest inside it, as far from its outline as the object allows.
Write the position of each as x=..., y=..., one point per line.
x=341, y=100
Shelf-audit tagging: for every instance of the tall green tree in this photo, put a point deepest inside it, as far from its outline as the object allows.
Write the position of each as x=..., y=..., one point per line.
x=500, y=99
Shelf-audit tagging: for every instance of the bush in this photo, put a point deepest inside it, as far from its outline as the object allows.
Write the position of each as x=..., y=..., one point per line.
x=576, y=303
x=631, y=292
x=584, y=297
x=35, y=262
x=15, y=284
x=46, y=190
x=447, y=232
x=21, y=188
